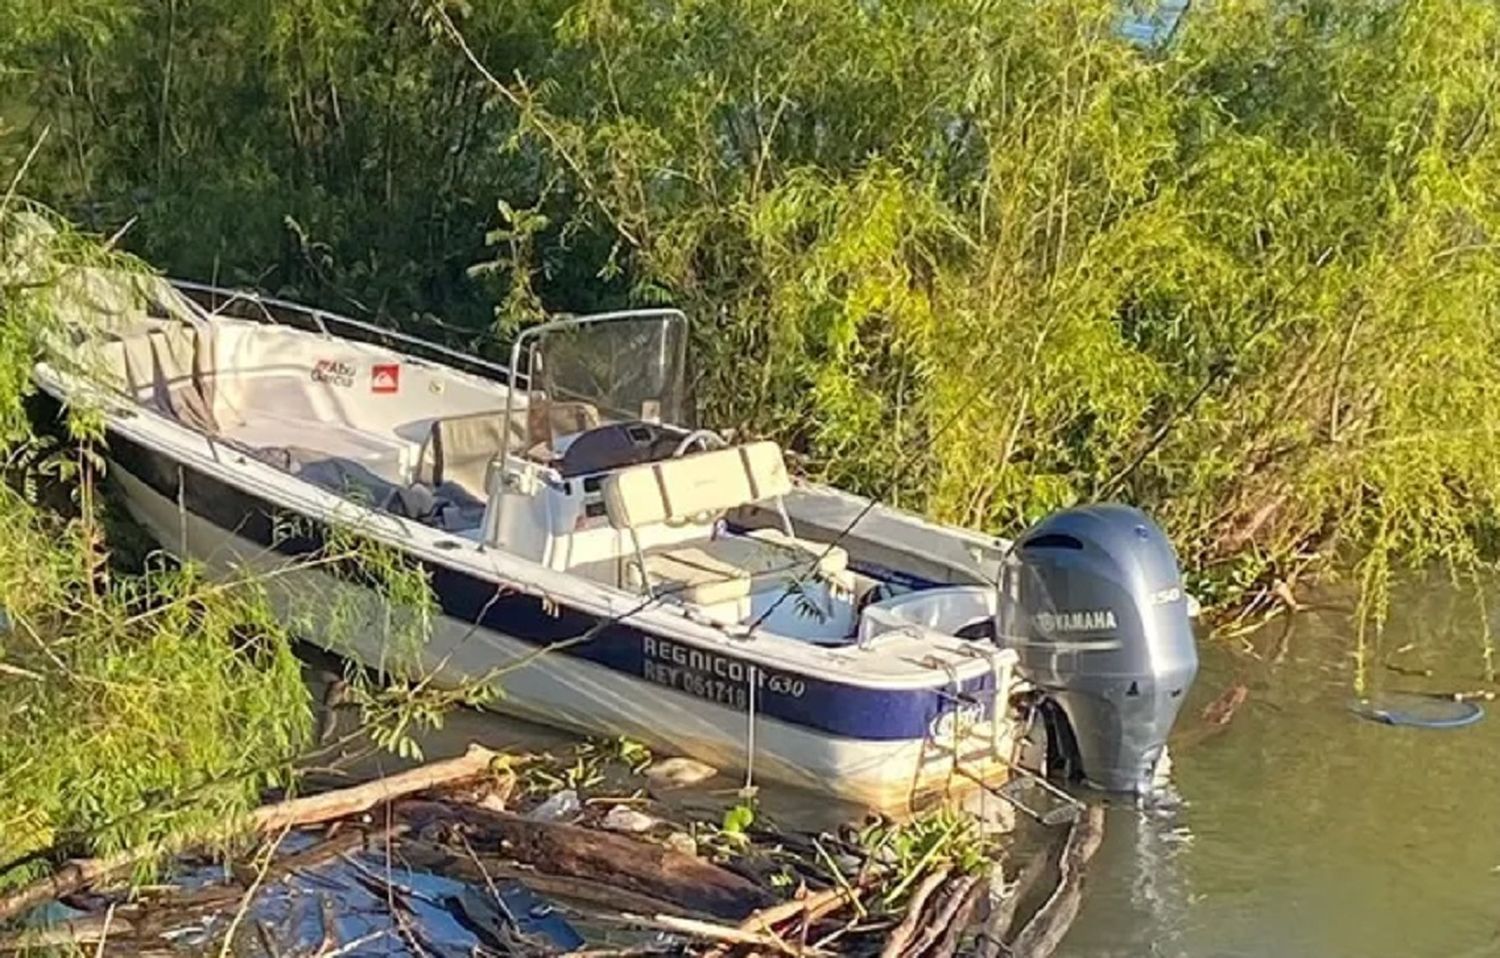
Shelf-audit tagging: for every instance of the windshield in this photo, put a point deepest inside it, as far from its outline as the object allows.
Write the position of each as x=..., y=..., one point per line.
x=595, y=370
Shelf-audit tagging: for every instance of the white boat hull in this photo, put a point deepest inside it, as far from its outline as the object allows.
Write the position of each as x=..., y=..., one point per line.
x=593, y=699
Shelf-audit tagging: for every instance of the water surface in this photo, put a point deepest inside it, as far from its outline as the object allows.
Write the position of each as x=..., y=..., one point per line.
x=1306, y=831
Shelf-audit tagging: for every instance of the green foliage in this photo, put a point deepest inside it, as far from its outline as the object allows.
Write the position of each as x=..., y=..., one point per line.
x=738, y=818
x=587, y=766
x=131, y=721
x=982, y=259
x=132, y=707
x=941, y=836
x=142, y=707
x=329, y=151
x=1004, y=263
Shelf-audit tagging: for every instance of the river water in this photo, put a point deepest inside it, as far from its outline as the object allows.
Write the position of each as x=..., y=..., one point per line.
x=1303, y=830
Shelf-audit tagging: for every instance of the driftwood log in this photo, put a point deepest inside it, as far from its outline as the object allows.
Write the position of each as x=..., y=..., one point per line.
x=728, y=934
x=659, y=887
x=601, y=857
x=958, y=898
x=896, y=943
x=808, y=908
x=482, y=869
x=1003, y=913
x=960, y=923
x=268, y=819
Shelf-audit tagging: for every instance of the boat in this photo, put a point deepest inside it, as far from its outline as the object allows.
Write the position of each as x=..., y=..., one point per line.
x=625, y=572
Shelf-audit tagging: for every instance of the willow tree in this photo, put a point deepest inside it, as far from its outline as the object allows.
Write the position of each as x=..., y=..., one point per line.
x=996, y=259
x=143, y=703
x=983, y=258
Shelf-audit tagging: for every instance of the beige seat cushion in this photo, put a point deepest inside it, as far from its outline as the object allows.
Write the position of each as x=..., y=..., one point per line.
x=695, y=488
x=832, y=560
x=715, y=571
x=459, y=448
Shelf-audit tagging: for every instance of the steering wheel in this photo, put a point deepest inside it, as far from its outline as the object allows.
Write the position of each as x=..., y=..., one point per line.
x=706, y=438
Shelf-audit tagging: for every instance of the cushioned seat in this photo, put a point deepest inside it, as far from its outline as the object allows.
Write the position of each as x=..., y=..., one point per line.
x=714, y=571
x=695, y=491
x=459, y=449
x=170, y=366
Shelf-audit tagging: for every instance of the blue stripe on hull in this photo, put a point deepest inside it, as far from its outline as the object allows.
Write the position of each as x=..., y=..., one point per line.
x=832, y=707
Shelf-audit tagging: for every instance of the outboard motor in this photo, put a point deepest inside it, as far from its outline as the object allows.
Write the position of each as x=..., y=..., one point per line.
x=1099, y=619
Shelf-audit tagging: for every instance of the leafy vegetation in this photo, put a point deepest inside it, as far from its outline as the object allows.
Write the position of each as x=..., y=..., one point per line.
x=984, y=261
x=981, y=259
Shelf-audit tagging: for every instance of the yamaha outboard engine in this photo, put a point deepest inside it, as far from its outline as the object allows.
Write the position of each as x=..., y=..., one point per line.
x=1099, y=619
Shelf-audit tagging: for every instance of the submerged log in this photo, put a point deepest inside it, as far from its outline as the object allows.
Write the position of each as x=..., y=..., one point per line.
x=1041, y=936
x=1221, y=710
x=1407, y=670
x=1216, y=717
x=71, y=877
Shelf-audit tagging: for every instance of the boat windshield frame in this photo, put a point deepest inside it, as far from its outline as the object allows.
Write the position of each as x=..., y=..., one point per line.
x=672, y=339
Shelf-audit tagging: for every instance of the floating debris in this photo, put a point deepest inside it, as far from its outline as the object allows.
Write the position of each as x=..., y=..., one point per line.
x=623, y=818
x=562, y=806
x=1418, y=710
x=425, y=862
x=679, y=772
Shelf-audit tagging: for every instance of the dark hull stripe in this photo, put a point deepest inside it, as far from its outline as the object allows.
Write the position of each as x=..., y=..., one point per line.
x=806, y=700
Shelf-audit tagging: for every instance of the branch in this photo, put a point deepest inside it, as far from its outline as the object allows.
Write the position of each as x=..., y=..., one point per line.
x=15, y=181
x=1045, y=931
x=528, y=114
x=77, y=875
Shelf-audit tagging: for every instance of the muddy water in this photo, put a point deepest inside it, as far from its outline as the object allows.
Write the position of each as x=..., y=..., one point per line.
x=1303, y=830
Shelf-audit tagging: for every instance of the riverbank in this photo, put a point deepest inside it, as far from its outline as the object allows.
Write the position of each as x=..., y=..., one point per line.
x=587, y=850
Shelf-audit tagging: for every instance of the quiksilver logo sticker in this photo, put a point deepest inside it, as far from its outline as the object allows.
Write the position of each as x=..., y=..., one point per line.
x=385, y=378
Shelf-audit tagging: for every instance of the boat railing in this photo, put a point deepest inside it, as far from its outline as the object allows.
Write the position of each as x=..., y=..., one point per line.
x=251, y=305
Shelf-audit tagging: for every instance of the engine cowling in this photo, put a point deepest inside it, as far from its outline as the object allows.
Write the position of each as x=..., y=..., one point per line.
x=1099, y=619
